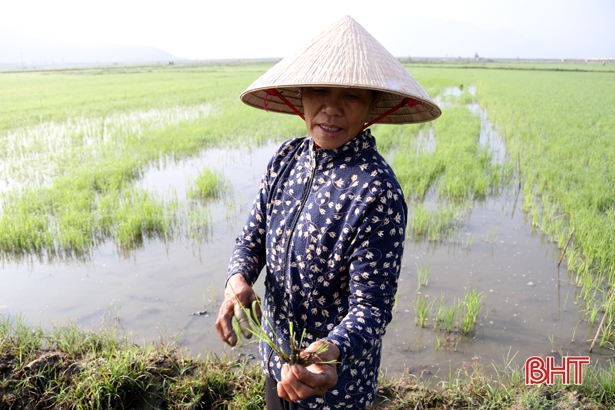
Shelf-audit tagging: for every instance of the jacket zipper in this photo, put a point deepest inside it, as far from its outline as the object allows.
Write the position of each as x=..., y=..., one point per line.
x=287, y=248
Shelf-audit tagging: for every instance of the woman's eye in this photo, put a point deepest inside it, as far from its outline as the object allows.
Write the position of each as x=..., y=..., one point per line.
x=352, y=96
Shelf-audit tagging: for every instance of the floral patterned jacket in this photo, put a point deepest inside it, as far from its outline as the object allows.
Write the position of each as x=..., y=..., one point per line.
x=329, y=225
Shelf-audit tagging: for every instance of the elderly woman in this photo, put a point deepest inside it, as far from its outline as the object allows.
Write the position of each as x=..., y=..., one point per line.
x=329, y=220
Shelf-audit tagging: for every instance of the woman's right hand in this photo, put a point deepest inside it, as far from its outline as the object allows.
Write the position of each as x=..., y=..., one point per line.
x=237, y=291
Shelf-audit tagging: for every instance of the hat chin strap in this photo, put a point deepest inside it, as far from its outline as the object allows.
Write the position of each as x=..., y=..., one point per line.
x=273, y=91
x=410, y=102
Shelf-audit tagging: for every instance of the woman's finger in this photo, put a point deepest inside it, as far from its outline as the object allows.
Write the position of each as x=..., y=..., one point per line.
x=286, y=387
x=224, y=325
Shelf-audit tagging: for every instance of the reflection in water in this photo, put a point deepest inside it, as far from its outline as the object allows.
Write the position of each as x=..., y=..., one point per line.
x=155, y=291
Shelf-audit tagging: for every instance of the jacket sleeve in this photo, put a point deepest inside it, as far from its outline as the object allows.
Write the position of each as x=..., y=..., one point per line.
x=249, y=254
x=374, y=264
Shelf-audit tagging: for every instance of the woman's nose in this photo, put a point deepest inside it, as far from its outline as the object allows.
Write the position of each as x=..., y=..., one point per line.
x=332, y=106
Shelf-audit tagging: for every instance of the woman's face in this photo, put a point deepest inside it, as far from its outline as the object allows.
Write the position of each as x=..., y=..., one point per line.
x=335, y=115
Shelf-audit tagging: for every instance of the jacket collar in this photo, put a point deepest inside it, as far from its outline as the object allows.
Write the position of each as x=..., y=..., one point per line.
x=363, y=141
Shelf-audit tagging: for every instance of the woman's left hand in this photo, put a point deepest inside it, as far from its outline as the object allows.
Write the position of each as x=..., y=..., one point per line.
x=300, y=382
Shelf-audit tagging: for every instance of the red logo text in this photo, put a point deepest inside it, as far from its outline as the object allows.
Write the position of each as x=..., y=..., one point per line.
x=538, y=371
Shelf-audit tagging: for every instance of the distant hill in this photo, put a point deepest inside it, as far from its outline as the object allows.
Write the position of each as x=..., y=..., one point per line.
x=19, y=50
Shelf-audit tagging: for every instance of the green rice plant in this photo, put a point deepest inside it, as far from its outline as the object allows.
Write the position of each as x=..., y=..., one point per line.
x=467, y=243
x=138, y=217
x=445, y=316
x=574, y=330
x=466, y=98
x=199, y=224
x=468, y=310
x=422, y=310
x=294, y=355
x=439, y=313
x=492, y=236
x=423, y=273
x=209, y=184
x=237, y=329
x=457, y=168
x=211, y=298
x=448, y=318
x=436, y=225
x=606, y=323
x=388, y=139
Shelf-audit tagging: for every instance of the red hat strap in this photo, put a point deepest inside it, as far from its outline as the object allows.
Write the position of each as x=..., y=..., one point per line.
x=410, y=102
x=273, y=91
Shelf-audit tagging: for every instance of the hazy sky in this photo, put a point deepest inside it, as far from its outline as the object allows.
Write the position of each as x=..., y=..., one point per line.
x=205, y=29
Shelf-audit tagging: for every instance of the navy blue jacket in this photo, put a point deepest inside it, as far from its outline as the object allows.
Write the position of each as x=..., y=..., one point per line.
x=329, y=225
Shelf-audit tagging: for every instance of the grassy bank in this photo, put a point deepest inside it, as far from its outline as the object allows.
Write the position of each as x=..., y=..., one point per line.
x=72, y=368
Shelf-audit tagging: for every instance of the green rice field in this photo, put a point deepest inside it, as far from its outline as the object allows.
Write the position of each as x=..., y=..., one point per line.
x=80, y=150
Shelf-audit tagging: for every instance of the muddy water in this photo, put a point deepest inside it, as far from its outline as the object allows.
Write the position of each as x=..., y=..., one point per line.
x=154, y=292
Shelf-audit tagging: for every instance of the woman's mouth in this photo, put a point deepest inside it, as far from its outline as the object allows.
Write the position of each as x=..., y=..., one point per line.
x=329, y=128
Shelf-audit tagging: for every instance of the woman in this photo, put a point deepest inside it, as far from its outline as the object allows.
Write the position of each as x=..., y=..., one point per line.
x=329, y=221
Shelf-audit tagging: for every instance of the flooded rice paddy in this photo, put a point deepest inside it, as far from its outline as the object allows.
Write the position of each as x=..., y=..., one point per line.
x=154, y=292
x=172, y=291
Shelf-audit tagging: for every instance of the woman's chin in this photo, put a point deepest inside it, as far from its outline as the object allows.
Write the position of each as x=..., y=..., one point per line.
x=330, y=142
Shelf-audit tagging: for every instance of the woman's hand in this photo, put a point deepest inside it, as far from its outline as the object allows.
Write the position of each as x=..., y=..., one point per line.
x=301, y=382
x=236, y=289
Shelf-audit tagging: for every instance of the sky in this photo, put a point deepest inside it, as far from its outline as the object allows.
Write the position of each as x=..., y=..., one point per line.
x=205, y=29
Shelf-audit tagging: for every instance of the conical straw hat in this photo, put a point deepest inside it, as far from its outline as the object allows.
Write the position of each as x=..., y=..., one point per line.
x=345, y=55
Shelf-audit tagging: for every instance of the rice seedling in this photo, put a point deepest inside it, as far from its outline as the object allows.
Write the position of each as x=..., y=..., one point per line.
x=211, y=297
x=209, y=184
x=447, y=317
x=492, y=236
x=249, y=324
x=199, y=220
x=436, y=225
x=423, y=273
x=469, y=309
x=238, y=330
x=467, y=243
x=552, y=343
x=422, y=310
x=458, y=168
